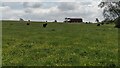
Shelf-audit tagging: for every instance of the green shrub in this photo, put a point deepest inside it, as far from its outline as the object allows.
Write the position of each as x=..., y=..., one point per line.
x=117, y=22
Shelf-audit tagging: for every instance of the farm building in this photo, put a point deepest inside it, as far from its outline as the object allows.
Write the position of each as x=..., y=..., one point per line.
x=73, y=20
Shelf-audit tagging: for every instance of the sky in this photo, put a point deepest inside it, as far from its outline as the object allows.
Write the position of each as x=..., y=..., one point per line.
x=50, y=10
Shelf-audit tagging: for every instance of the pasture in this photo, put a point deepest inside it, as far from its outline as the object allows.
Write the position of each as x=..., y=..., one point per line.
x=59, y=44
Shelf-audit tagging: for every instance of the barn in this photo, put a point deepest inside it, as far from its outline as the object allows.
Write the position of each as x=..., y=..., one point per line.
x=73, y=20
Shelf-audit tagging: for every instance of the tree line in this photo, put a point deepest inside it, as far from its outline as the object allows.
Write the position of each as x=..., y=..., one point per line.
x=111, y=12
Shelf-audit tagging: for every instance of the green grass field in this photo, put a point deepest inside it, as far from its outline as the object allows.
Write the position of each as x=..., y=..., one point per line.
x=59, y=44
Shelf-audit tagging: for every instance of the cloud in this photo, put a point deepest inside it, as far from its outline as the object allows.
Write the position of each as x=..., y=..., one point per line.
x=38, y=0
x=9, y=13
x=51, y=11
x=37, y=5
x=22, y=0
x=66, y=6
x=32, y=4
x=28, y=10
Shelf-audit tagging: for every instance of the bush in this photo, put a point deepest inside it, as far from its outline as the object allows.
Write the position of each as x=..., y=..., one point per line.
x=55, y=20
x=117, y=22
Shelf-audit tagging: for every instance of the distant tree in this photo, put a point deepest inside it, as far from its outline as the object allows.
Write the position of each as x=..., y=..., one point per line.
x=97, y=20
x=55, y=21
x=21, y=20
x=117, y=22
x=111, y=11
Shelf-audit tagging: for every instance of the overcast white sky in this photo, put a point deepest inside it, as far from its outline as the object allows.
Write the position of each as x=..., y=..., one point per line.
x=50, y=10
